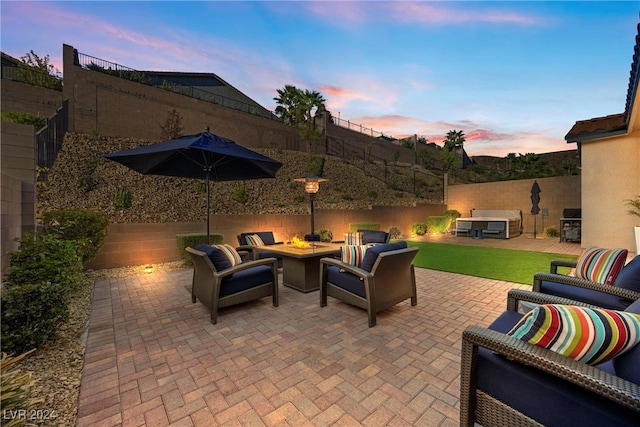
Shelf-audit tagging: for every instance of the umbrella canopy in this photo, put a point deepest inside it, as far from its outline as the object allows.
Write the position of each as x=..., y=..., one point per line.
x=535, y=204
x=200, y=156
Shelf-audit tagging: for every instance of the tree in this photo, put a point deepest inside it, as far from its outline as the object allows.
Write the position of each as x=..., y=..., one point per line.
x=172, y=127
x=300, y=108
x=287, y=101
x=38, y=71
x=453, y=144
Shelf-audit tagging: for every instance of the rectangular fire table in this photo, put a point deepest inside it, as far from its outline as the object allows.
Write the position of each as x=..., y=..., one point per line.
x=301, y=267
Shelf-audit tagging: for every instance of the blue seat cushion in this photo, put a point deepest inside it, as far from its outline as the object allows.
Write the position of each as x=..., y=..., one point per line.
x=588, y=296
x=345, y=280
x=246, y=279
x=627, y=365
x=372, y=253
x=629, y=276
x=268, y=254
x=541, y=396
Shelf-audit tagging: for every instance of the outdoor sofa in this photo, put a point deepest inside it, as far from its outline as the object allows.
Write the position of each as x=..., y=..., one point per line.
x=385, y=277
x=505, y=381
x=250, y=244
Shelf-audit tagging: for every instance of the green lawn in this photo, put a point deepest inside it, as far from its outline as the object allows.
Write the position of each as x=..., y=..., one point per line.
x=492, y=263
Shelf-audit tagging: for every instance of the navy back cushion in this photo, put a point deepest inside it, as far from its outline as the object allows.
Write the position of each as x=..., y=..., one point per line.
x=371, y=255
x=217, y=257
x=629, y=276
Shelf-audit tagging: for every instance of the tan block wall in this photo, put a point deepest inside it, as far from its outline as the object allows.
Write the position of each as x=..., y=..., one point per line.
x=557, y=194
x=139, y=244
x=18, y=151
x=11, y=227
x=24, y=98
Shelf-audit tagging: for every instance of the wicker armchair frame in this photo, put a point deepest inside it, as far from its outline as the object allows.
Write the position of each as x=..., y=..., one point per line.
x=479, y=407
x=391, y=280
x=207, y=282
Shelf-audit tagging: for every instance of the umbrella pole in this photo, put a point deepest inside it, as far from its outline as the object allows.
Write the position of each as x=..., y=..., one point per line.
x=208, y=238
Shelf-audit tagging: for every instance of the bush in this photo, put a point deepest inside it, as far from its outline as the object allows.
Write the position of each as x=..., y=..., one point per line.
x=355, y=226
x=394, y=232
x=438, y=224
x=325, y=235
x=122, y=198
x=418, y=229
x=16, y=385
x=240, y=194
x=371, y=194
x=551, y=232
x=88, y=228
x=25, y=119
x=46, y=258
x=315, y=165
x=32, y=314
x=192, y=240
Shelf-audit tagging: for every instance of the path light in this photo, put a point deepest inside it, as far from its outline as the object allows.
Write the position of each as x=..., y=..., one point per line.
x=311, y=186
x=148, y=269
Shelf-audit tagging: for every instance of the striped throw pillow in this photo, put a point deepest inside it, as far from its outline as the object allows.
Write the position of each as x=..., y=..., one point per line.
x=589, y=335
x=353, y=238
x=601, y=265
x=353, y=254
x=230, y=253
x=254, y=240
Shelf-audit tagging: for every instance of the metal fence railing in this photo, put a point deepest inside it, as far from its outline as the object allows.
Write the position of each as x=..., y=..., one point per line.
x=49, y=139
x=359, y=128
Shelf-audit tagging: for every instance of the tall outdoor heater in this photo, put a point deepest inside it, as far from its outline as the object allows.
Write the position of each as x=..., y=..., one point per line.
x=311, y=187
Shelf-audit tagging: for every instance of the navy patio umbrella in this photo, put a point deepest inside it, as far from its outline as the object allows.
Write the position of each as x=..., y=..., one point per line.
x=535, y=204
x=200, y=156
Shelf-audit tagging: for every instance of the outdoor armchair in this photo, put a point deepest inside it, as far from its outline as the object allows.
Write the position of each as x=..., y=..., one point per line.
x=505, y=381
x=250, y=244
x=384, y=278
x=617, y=296
x=217, y=287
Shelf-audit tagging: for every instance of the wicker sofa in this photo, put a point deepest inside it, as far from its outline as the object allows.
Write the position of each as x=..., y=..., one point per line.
x=217, y=288
x=624, y=291
x=508, y=382
x=254, y=253
x=385, y=278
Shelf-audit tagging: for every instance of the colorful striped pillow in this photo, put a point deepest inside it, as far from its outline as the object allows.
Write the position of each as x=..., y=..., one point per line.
x=353, y=238
x=254, y=240
x=589, y=335
x=601, y=265
x=353, y=254
x=230, y=253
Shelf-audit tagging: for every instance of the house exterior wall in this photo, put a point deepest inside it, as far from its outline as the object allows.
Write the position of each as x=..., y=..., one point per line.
x=557, y=194
x=611, y=175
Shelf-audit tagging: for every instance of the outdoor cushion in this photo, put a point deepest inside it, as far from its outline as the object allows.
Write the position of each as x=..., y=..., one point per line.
x=266, y=237
x=371, y=255
x=232, y=255
x=246, y=279
x=347, y=281
x=585, y=334
x=254, y=240
x=588, y=296
x=627, y=365
x=353, y=238
x=218, y=258
x=600, y=265
x=352, y=254
x=629, y=276
x=373, y=236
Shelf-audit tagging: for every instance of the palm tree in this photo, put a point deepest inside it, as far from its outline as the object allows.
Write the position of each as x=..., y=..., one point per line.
x=287, y=100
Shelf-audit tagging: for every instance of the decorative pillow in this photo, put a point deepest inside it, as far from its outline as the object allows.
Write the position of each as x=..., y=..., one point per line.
x=254, y=240
x=589, y=335
x=601, y=265
x=353, y=239
x=232, y=255
x=353, y=254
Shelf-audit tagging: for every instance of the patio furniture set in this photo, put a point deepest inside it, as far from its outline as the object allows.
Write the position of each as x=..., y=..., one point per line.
x=372, y=273
x=565, y=353
x=501, y=224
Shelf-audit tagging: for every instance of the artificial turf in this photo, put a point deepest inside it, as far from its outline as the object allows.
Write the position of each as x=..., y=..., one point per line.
x=491, y=263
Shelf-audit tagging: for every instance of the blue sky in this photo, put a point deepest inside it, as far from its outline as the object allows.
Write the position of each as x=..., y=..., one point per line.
x=513, y=75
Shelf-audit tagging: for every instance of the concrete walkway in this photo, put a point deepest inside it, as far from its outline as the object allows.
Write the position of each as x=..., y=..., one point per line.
x=153, y=358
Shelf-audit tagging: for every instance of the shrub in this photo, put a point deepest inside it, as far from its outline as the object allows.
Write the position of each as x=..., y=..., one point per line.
x=32, y=314
x=452, y=213
x=371, y=194
x=325, y=235
x=355, y=226
x=551, y=232
x=438, y=224
x=315, y=165
x=46, y=258
x=192, y=240
x=123, y=198
x=240, y=194
x=25, y=119
x=418, y=229
x=394, y=232
x=88, y=228
x=15, y=387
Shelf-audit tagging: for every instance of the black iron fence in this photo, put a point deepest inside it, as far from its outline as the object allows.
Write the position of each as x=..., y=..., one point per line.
x=49, y=139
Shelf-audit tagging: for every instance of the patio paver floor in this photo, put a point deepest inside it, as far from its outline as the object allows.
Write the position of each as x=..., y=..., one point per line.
x=154, y=359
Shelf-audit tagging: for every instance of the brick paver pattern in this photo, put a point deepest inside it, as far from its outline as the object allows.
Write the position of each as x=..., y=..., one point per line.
x=154, y=359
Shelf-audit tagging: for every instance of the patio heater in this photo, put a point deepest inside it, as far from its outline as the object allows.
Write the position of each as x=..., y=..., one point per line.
x=311, y=187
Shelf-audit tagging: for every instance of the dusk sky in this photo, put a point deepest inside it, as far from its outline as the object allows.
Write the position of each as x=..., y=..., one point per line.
x=514, y=76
